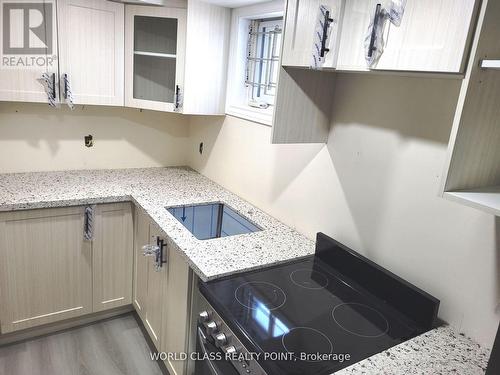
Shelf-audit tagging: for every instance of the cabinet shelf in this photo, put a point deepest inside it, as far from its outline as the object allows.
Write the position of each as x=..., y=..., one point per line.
x=155, y=54
x=487, y=199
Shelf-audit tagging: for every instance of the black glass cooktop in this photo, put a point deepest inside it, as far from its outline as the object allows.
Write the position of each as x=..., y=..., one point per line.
x=317, y=318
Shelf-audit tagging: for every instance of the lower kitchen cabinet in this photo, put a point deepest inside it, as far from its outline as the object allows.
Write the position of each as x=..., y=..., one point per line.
x=162, y=296
x=112, y=256
x=45, y=267
x=156, y=280
x=49, y=272
x=149, y=282
x=58, y=263
x=140, y=289
x=177, y=305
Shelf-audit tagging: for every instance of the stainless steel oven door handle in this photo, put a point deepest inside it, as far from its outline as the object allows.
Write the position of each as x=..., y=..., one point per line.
x=203, y=340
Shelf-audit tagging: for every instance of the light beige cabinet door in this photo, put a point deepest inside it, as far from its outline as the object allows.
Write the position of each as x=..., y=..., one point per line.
x=45, y=267
x=157, y=279
x=155, y=44
x=112, y=256
x=432, y=37
x=177, y=311
x=27, y=50
x=141, y=238
x=299, y=34
x=91, y=46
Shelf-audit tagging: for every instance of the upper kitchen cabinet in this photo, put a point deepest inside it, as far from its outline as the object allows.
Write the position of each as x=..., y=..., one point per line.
x=312, y=29
x=28, y=51
x=432, y=35
x=91, y=55
x=303, y=106
x=207, y=49
x=155, y=42
x=472, y=174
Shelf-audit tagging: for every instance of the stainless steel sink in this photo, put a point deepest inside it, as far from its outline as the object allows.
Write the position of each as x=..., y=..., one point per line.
x=213, y=220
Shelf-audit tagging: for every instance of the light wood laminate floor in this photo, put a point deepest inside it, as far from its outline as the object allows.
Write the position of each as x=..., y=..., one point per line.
x=115, y=346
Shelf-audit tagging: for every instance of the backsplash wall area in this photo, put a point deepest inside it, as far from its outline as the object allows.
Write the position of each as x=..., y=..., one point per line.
x=374, y=186
x=35, y=137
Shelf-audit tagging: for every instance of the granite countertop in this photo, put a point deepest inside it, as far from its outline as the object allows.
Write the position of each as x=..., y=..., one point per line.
x=440, y=351
x=153, y=189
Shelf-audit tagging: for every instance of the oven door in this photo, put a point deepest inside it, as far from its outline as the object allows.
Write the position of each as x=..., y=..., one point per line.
x=207, y=364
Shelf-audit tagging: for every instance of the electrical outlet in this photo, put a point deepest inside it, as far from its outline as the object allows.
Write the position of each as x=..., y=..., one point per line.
x=89, y=140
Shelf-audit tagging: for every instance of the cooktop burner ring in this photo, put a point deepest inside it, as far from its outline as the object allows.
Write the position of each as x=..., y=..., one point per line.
x=296, y=274
x=314, y=332
x=279, y=294
x=369, y=308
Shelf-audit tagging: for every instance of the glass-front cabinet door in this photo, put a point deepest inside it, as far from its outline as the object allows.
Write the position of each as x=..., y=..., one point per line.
x=155, y=48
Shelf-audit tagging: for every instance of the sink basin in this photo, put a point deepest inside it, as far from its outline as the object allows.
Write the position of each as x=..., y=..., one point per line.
x=213, y=220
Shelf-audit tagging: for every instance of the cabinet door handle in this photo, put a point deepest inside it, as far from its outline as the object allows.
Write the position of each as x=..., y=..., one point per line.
x=326, y=24
x=67, y=93
x=371, y=48
x=65, y=85
x=177, y=98
x=88, y=223
x=160, y=256
x=49, y=84
x=54, y=86
x=157, y=251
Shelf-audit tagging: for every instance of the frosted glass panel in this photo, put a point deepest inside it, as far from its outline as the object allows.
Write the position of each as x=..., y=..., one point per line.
x=154, y=78
x=155, y=48
x=155, y=34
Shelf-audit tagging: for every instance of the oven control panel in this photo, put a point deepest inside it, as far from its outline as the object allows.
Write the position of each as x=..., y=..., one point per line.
x=217, y=331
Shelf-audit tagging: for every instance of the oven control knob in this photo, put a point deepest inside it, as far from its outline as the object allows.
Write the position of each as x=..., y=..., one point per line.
x=203, y=316
x=220, y=340
x=230, y=350
x=211, y=327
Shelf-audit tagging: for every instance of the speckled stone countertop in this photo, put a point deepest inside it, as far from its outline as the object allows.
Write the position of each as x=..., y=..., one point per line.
x=153, y=189
x=440, y=351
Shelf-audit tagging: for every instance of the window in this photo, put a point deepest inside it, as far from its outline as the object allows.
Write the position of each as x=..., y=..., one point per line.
x=254, y=61
x=262, y=65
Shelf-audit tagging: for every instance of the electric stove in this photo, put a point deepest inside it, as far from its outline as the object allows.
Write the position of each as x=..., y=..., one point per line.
x=316, y=315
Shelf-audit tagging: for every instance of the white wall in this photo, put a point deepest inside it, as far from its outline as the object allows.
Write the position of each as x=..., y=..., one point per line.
x=373, y=187
x=35, y=137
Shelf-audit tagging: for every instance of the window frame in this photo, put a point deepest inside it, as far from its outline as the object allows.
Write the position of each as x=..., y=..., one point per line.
x=236, y=102
x=267, y=67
